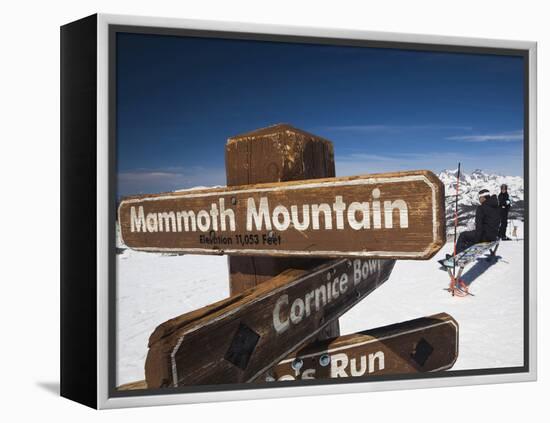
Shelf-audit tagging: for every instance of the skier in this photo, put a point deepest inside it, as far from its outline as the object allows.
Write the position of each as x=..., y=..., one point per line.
x=504, y=204
x=487, y=224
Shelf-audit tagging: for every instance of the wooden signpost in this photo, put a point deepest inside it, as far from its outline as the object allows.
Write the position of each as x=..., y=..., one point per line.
x=278, y=153
x=304, y=247
x=394, y=215
x=238, y=339
x=426, y=344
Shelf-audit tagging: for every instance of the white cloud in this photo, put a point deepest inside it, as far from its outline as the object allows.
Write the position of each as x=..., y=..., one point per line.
x=360, y=163
x=368, y=157
x=394, y=128
x=502, y=137
x=149, y=181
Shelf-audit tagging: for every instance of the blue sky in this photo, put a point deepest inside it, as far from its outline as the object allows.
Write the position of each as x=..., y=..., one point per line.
x=180, y=98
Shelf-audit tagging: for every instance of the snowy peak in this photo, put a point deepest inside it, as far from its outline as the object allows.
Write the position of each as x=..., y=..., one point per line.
x=471, y=183
x=449, y=174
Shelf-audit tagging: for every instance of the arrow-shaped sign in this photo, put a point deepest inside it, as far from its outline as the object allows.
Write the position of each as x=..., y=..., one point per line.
x=391, y=215
x=240, y=338
x=427, y=344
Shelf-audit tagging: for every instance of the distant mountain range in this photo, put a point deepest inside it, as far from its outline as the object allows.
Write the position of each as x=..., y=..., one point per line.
x=469, y=186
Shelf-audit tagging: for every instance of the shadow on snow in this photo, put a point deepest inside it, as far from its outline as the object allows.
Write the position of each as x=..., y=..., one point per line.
x=482, y=265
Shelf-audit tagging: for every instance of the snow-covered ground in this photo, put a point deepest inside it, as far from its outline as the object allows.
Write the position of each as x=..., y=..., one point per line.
x=491, y=322
x=153, y=288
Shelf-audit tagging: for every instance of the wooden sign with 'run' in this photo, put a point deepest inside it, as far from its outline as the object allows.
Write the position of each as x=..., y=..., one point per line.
x=238, y=339
x=427, y=344
x=394, y=215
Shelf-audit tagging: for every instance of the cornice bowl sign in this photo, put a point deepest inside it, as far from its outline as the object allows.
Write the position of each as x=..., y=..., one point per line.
x=393, y=215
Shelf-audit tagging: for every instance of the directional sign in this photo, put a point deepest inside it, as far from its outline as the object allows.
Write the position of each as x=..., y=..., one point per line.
x=428, y=344
x=394, y=215
x=240, y=338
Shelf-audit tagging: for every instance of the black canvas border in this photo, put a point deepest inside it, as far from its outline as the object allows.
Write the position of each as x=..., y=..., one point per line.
x=78, y=211
x=113, y=29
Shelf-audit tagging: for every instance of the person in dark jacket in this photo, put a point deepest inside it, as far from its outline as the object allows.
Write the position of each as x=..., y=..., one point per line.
x=487, y=223
x=504, y=204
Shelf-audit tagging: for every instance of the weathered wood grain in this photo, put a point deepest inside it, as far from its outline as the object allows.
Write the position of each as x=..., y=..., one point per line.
x=427, y=344
x=133, y=386
x=279, y=153
x=240, y=338
x=393, y=215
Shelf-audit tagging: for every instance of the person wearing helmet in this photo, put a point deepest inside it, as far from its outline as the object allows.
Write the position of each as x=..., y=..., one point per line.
x=504, y=204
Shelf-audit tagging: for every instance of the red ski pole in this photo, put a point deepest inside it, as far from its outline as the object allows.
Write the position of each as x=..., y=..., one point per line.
x=456, y=216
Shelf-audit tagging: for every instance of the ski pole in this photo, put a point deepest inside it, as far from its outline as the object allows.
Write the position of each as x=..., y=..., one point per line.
x=456, y=216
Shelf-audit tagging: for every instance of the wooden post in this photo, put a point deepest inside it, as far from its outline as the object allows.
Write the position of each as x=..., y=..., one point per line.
x=277, y=153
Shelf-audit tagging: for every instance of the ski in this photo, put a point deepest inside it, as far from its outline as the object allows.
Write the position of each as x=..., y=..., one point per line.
x=470, y=254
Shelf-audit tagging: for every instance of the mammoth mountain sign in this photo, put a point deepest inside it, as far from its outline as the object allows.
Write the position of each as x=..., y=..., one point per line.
x=393, y=215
